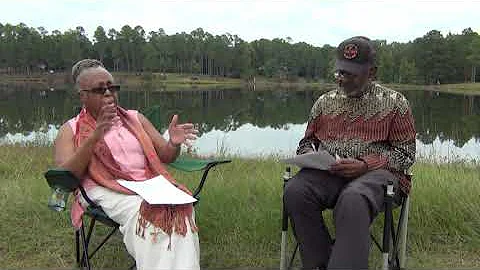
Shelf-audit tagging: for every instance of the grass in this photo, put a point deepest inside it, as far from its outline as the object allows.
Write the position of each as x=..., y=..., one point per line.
x=464, y=88
x=458, y=88
x=239, y=216
x=134, y=80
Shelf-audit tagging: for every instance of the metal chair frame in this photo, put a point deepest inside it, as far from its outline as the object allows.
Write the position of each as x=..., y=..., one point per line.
x=95, y=213
x=394, y=241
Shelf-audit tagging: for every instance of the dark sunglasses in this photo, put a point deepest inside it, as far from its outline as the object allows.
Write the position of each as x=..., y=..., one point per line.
x=102, y=89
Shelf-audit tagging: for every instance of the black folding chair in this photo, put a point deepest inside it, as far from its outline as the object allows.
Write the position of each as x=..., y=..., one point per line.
x=394, y=241
x=67, y=182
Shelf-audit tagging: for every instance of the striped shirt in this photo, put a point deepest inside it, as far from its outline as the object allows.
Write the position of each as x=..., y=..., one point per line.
x=377, y=127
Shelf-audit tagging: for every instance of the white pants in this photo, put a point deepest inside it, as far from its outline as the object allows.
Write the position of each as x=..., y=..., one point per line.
x=184, y=252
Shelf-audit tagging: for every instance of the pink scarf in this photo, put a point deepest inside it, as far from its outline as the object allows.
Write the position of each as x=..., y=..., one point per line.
x=104, y=171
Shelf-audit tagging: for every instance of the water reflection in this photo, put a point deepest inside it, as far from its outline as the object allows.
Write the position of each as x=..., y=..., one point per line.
x=252, y=141
x=241, y=122
x=259, y=142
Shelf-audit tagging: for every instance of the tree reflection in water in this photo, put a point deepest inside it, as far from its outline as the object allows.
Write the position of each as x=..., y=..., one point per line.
x=248, y=123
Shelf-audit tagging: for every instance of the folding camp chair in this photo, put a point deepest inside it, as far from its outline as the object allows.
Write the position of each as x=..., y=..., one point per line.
x=394, y=240
x=66, y=181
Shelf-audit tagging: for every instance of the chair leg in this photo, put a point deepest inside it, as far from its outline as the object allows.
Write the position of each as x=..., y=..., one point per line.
x=283, y=251
x=393, y=261
x=398, y=238
x=290, y=264
x=90, y=229
x=403, y=234
x=85, y=262
x=77, y=246
x=103, y=242
x=387, y=225
x=283, y=247
x=86, y=241
x=386, y=248
x=283, y=255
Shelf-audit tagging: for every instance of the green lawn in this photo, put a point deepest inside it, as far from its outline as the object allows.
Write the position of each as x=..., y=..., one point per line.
x=238, y=216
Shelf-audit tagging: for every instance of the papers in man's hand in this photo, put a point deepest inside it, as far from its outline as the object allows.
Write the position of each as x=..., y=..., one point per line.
x=158, y=190
x=315, y=160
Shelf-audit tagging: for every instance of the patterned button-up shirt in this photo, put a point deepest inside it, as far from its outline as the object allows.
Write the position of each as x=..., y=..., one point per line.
x=377, y=127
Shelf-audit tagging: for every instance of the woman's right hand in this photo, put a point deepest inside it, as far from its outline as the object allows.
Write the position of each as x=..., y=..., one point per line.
x=106, y=118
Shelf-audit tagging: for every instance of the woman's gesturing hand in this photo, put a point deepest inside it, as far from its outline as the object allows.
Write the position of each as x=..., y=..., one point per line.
x=181, y=133
x=106, y=118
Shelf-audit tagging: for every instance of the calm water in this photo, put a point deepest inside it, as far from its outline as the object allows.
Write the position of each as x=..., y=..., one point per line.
x=243, y=122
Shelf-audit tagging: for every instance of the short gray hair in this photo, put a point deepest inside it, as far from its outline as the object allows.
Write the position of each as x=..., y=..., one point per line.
x=83, y=65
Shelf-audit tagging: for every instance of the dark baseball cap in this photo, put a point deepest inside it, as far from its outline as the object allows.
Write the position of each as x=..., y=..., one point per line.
x=355, y=55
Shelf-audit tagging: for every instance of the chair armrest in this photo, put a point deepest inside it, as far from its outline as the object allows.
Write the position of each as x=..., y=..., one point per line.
x=65, y=180
x=62, y=178
x=188, y=164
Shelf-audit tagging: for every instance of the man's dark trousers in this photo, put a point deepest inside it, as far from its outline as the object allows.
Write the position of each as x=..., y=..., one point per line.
x=355, y=204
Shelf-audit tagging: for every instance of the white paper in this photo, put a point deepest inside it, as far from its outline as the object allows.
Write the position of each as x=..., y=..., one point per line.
x=158, y=190
x=321, y=160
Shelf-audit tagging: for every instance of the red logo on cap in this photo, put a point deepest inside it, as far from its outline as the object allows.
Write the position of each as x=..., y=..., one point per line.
x=350, y=51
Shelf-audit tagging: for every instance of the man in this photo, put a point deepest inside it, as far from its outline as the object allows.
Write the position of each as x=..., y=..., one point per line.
x=371, y=129
x=105, y=142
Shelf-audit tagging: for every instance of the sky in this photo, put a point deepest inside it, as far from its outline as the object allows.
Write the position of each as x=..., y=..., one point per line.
x=315, y=22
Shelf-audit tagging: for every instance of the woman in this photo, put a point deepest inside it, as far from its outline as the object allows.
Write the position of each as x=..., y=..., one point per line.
x=105, y=142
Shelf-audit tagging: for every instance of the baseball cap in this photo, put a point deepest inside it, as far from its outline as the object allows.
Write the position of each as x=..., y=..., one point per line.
x=355, y=55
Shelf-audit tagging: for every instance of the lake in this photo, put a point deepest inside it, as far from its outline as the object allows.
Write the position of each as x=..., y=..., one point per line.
x=240, y=121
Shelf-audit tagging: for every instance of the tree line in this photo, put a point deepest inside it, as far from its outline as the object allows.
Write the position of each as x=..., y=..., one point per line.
x=431, y=59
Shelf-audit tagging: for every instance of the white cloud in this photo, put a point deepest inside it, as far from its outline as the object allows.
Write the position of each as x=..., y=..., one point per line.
x=314, y=22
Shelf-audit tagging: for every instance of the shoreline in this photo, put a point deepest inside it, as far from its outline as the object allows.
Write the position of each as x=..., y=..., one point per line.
x=187, y=81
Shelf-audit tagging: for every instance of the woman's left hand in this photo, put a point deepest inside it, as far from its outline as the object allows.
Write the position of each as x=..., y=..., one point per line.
x=181, y=133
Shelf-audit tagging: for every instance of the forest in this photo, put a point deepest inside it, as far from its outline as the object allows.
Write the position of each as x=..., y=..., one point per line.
x=431, y=59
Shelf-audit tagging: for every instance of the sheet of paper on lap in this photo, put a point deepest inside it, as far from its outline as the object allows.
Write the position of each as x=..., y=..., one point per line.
x=158, y=190
x=321, y=160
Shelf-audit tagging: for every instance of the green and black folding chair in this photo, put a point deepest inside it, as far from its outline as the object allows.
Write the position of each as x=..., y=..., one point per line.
x=67, y=182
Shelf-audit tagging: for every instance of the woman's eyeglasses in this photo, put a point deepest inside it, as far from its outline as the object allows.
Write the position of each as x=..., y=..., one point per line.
x=102, y=89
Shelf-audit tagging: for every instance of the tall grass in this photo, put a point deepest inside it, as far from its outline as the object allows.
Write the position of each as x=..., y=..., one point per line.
x=238, y=214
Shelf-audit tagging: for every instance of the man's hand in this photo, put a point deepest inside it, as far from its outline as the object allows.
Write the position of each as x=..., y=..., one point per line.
x=181, y=133
x=349, y=168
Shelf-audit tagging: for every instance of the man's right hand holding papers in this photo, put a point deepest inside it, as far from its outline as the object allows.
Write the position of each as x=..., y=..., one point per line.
x=322, y=160
x=349, y=167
